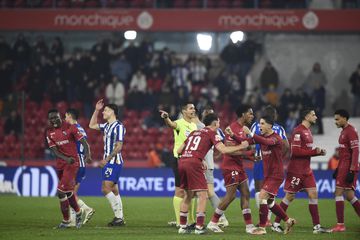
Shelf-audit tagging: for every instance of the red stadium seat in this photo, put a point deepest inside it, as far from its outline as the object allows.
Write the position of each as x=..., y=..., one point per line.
x=92, y=4
x=194, y=4
x=47, y=3
x=63, y=3
x=179, y=4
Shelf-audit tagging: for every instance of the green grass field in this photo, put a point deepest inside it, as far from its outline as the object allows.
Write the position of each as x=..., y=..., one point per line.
x=34, y=218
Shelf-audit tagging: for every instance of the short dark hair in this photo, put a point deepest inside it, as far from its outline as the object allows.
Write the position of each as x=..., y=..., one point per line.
x=208, y=119
x=243, y=108
x=305, y=112
x=184, y=105
x=53, y=110
x=114, y=107
x=269, y=119
x=270, y=111
x=73, y=112
x=343, y=113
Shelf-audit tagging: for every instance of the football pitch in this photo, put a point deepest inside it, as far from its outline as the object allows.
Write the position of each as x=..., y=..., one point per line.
x=146, y=218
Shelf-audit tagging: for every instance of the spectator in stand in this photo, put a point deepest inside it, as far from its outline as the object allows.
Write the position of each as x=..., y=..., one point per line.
x=269, y=77
x=138, y=82
x=230, y=55
x=355, y=90
x=316, y=76
x=115, y=93
x=198, y=71
x=57, y=48
x=22, y=54
x=13, y=124
x=121, y=68
x=291, y=122
x=287, y=103
x=5, y=51
x=319, y=104
x=40, y=48
x=271, y=96
x=154, y=156
x=155, y=82
x=302, y=99
x=334, y=160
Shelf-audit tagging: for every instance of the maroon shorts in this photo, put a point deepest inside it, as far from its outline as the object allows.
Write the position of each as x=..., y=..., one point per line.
x=67, y=175
x=341, y=181
x=272, y=185
x=192, y=175
x=234, y=176
x=297, y=182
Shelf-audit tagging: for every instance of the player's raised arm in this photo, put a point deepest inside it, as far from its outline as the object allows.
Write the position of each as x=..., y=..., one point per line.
x=93, y=121
x=164, y=115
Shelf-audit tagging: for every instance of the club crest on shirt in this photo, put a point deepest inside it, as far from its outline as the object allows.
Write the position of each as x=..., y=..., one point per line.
x=297, y=137
x=187, y=132
x=64, y=132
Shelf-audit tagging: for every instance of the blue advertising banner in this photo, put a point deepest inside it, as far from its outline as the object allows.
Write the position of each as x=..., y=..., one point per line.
x=135, y=182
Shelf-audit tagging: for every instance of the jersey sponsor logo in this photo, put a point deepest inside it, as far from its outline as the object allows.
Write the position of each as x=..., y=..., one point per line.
x=62, y=142
x=218, y=138
x=35, y=182
x=266, y=152
x=297, y=137
x=342, y=146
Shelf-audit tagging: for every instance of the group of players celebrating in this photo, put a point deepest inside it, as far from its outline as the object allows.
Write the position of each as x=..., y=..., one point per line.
x=67, y=140
x=267, y=145
x=193, y=165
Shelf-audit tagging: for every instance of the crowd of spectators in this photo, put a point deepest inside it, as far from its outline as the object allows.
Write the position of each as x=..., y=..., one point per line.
x=138, y=78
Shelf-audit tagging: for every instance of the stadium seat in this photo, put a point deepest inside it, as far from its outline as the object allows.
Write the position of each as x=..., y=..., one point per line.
x=194, y=4
x=223, y=4
x=238, y=4
x=63, y=3
x=179, y=4
x=118, y=4
x=77, y=4
x=141, y=3
x=92, y=4
x=47, y=4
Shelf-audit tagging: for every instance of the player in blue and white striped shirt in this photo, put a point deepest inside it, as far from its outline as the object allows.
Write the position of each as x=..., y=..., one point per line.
x=71, y=117
x=112, y=162
x=258, y=165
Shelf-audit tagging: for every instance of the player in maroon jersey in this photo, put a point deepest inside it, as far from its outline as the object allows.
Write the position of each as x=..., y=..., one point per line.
x=191, y=169
x=348, y=168
x=300, y=177
x=272, y=151
x=234, y=174
x=61, y=138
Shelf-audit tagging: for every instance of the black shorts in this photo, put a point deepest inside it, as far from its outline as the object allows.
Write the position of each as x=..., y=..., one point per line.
x=175, y=168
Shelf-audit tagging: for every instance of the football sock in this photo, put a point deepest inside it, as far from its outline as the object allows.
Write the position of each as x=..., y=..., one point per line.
x=200, y=218
x=257, y=199
x=64, y=206
x=339, y=202
x=176, y=203
x=215, y=201
x=217, y=214
x=263, y=212
x=72, y=201
x=247, y=216
x=82, y=204
x=356, y=205
x=314, y=211
x=192, y=208
x=119, y=205
x=183, y=218
x=113, y=203
x=278, y=211
x=284, y=205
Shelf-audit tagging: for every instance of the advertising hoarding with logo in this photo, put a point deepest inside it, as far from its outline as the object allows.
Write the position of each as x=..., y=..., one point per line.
x=134, y=182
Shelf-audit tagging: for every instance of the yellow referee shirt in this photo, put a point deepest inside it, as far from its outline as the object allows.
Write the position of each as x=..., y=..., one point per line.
x=182, y=131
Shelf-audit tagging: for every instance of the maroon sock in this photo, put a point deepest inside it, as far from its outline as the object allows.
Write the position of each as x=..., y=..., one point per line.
x=64, y=206
x=340, y=211
x=183, y=218
x=284, y=206
x=313, y=208
x=263, y=212
x=247, y=216
x=200, y=218
x=278, y=211
x=356, y=205
x=73, y=202
x=217, y=214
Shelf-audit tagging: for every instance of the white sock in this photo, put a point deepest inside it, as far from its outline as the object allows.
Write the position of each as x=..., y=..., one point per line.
x=257, y=199
x=269, y=216
x=82, y=204
x=120, y=208
x=114, y=204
